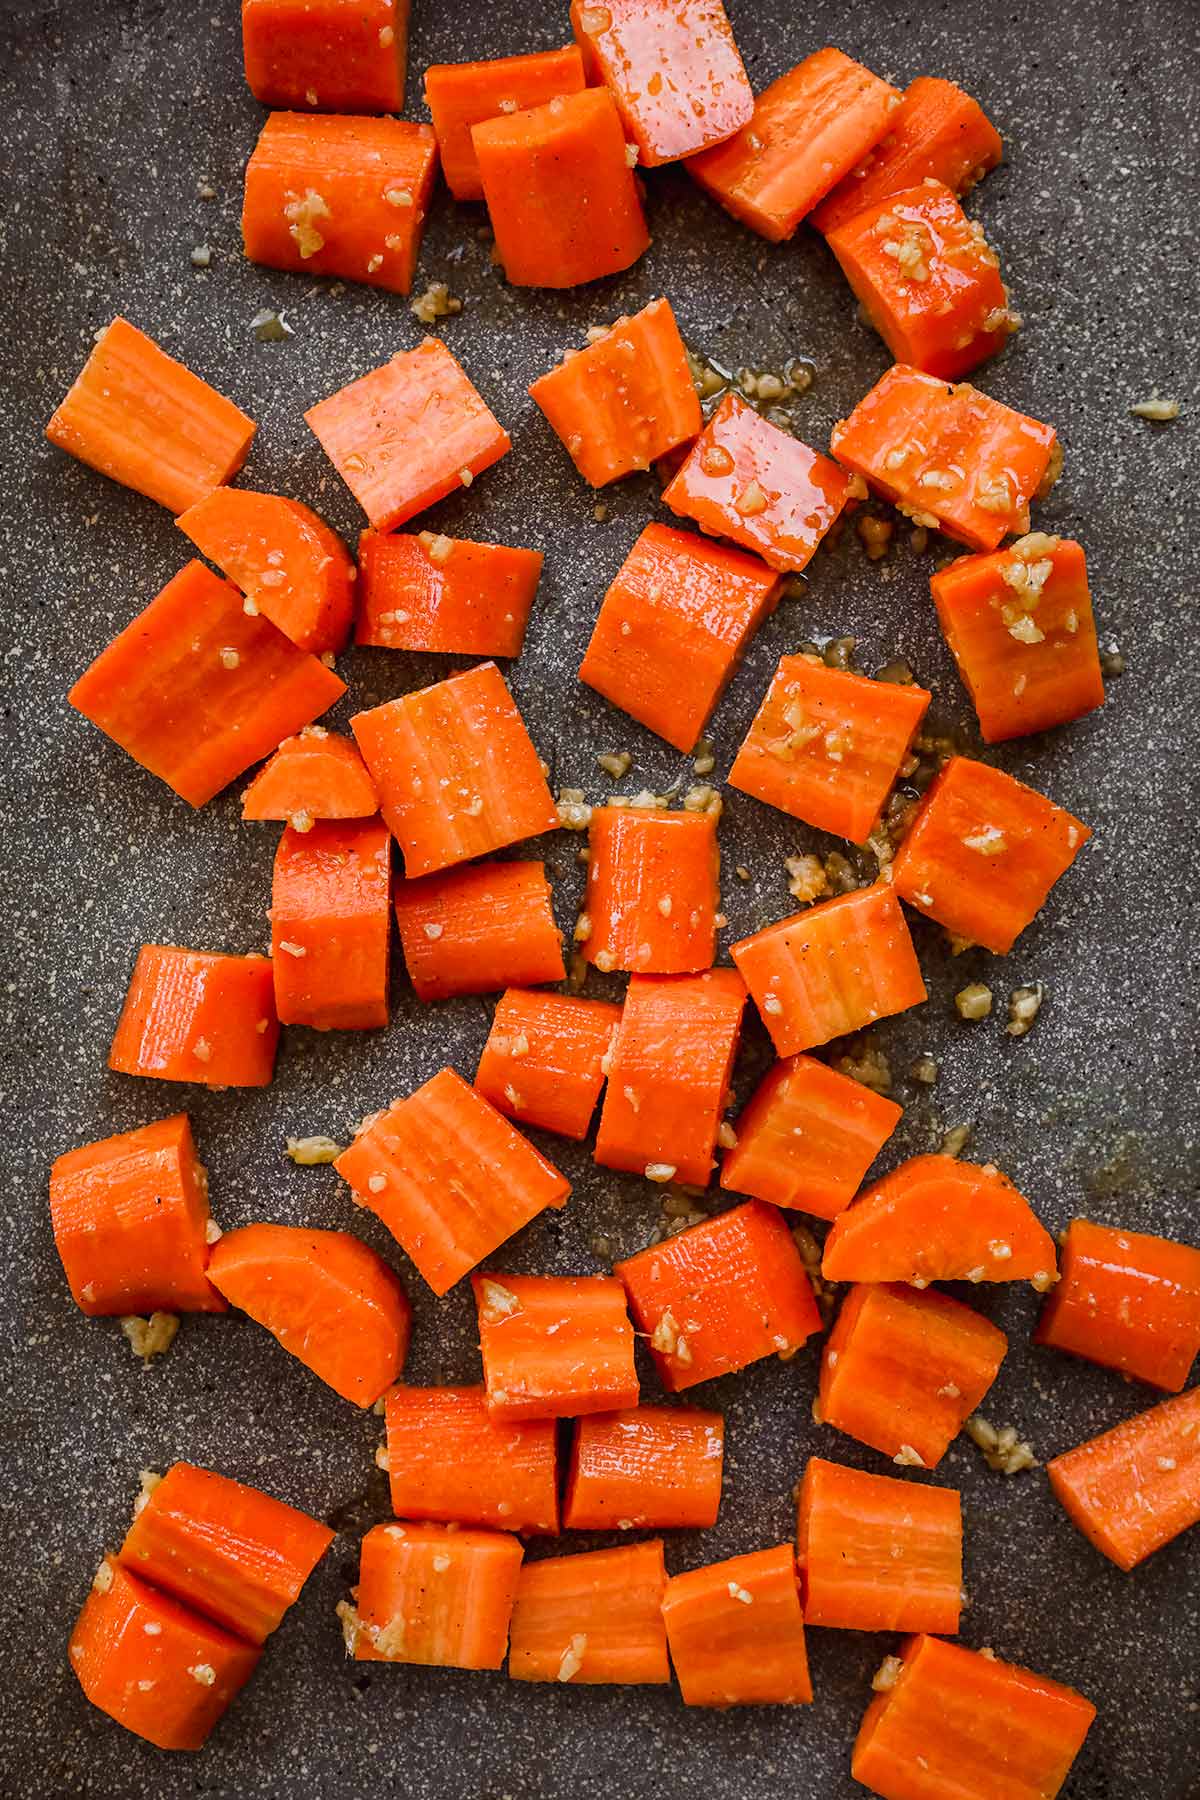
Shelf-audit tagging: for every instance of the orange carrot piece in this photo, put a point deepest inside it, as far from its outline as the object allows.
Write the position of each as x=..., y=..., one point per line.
x=674, y=1049
x=340, y=56
x=902, y=1369
x=192, y=1016
x=983, y=853
x=460, y=95
x=652, y=894
x=196, y=690
x=451, y=1462
x=449, y=1177
x=330, y=925
x=592, y=1618
x=408, y=433
x=543, y=1063
x=877, y=1554
x=736, y=1632
x=1134, y=1488
x=475, y=929
x=156, y=1667
x=648, y=1467
x=142, y=419
x=808, y=130
x=721, y=1295
x=317, y=775
x=554, y=1346
x=1127, y=1301
x=428, y=592
x=807, y=1137
x=327, y=1299
x=832, y=969
x=560, y=193
x=434, y=1595
x=673, y=627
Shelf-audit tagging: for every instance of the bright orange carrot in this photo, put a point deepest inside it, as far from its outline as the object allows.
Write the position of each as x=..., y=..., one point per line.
x=141, y=418
x=340, y=56
x=648, y=1467
x=1134, y=1488
x=450, y=1178
x=807, y=1137
x=1127, y=1301
x=331, y=926
x=317, y=775
x=433, y=1594
x=460, y=95
x=191, y=1016
x=473, y=930
x=428, y=592
x=877, y=1554
x=543, y=1063
x=737, y=1634
x=449, y=1460
x=554, y=1346
x=652, y=894
x=592, y=1618
x=327, y=1298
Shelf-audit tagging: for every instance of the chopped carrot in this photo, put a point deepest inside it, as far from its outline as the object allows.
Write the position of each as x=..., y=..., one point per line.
x=1127, y=1301
x=674, y=1050
x=807, y=1137
x=325, y=1296
x=652, y=894
x=408, y=434
x=317, y=775
x=1134, y=1488
x=142, y=419
x=648, y=1467
x=434, y=1595
x=983, y=853
x=457, y=774
x=902, y=1369
x=808, y=130
x=228, y=1551
x=877, y=1554
x=720, y=1295
x=450, y=1461
x=460, y=95
x=449, y=1177
x=673, y=627
x=191, y=1016
x=478, y=928
x=554, y=1346
x=427, y=592
x=543, y=1063
x=831, y=969
x=736, y=1632
x=330, y=925
x=196, y=689
x=339, y=56
x=592, y=1618
x=561, y=196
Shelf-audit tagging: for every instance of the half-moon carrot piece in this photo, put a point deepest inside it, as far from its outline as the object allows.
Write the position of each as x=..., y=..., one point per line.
x=592, y=1618
x=192, y=1016
x=877, y=1554
x=460, y=95
x=474, y=929
x=434, y=1595
x=736, y=1632
x=652, y=895
x=1134, y=1488
x=430, y=592
x=544, y=1060
x=648, y=1467
x=331, y=924
x=317, y=775
x=451, y=1461
x=554, y=1346
x=336, y=56
x=1128, y=1301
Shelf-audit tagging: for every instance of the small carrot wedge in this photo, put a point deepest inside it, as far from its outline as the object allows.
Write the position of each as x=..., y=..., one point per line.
x=476, y=929
x=460, y=95
x=721, y=1295
x=408, y=434
x=983, y=853
x=327, y=1299
x=807, y=1137
x=1135, y=1488
x=554, y=1346
x=316, y=775
x=808, y=130
x=673, y=627
x=130, y=1219
x=736, y=1632
x=191, y=1016
x=652, y=894
x=877, y=1554
x=592, y=1618
x=451, y=1462
x=449, y=1177
x=428, y=592
x=154, y=1666
x=902, y=1369
x=543, y=1063
x=236, y=1555
x=339, y=56
x=647, y=1468
x=142, y=419
x=331, y=925
x=434, y=1595
x=1127, y=1301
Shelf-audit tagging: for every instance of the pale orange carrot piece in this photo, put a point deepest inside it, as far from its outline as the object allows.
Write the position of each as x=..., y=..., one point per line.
x=317, y=775
x=592, y=1618
x=434, y=1595
x=331, y=925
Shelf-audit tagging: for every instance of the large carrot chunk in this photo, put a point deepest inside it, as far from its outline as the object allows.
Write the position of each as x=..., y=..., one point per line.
x=192, y=1016
x=652, y=894
x=433, y=1594
x=460, y=95
x=449, y=1460
x=330, y=925
x=1134, y=1488
x=672, y=67
x=427, y=592
x=592, y=1618
x=317, y=775
x=473, y=930
x=1127, y=1301
x=877, y=1554
x=645, y=1468
x=554, y=1346
x=543, y=1063
x=737, y=1633
x=340, y=56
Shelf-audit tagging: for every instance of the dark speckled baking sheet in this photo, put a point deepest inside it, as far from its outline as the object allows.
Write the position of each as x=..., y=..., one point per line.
x=113, y=111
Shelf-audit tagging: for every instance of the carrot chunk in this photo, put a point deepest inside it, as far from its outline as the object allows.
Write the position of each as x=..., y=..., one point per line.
x=1127, y=1301
x=592, y=1618
x=196, y=689
x=877, y=1554
x=475, y=929
x=449, y=1177
x=807, y=1137
x=543, y=1063
x=983, y=853
x=429, y=592
x=652, y=894
x=648, y=1467
x=434, y=1595
x=554, y=1346
x=1134, y=1488
x=460, y=95
x=737, y=1634
x=192, y=1016
x=560, y=193
x=142, y=419
x=721, y=1295
x=330, y=925
x=450, y=1461
x=673, y=627
x=327, y=1299
x=902, y=1369
x=340, y=56
x=673, y=69
x=408, y=434
x=130, y=1218
x=317, y=775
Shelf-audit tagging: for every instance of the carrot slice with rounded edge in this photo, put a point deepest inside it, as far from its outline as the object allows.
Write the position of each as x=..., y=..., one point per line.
x=1134, y=1488
x=450, y=1461
x=434, y=1595
x=428, y=592
x=554, y=1346
x=191, y=1016
x=592, y=1618
x=877, y=1554
x=476, y=929
x=647, y=1467
x=317, y=775
x=1127, y=1301
x=341, y=56
x=331, y=925
x=543, y=1063
x=652, y=893
x=460, y=95
x=736, y=1632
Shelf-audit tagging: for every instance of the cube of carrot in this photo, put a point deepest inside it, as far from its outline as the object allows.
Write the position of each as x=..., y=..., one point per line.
x=554, y=1346
x=543, y=1063
x=1135, y=1488
x=331, y=925
x=475, y=929
x=430, y=592
x=192, y=1016
x=652, y=895
x=1128, y=1301
x=737, y=1633
x=460, y=95
x=336, y=56
x=877, y=1554
x=315, y=775
x=450, y=1461
x=592, y=1618
x=648, y=1467
x=434, y=1595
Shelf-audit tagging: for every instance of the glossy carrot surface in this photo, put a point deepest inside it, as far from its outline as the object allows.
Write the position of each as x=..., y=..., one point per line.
x=652, y=895
x=1128, y=1301
x=474, y=929
x=430, y=592
x=554, y=1346
x=878, y=1554
x=646, y=1468
x=192, y=1016
x=316, y=775
x=1135, y=1488
x=544, y=1060
x=434, y=1595
x=592, y=1618
x=335, y=56
x=737, y=1633
x=450, y=1461
x=460, y=95
x=331, y=925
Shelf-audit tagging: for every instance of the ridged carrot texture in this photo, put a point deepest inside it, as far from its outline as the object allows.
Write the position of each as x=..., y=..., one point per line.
x=457, y=774
x=331, y=925
x=142, y=419
x=476, y=929
x=1127, y=1301
x=560, y=192
x=902, y=1369
x=430, y=592
x=721, y=1295
x=983, y=853
x=647, y=1468
x=326, y=1298
x=407, y=434
x=736, y=1632
x=826, y=745
x=316, y=775
x=832, y=969
x=807, y=1137
x=433, y=1594
x=673, y=627
x=191, y=1016
x=592, y=1618
x=340, y=56
x=228, y=1551
x=154, y=1666
x=652, y=893
x=877, y=1554
x=673, y=70
x=544, y=1060
x=449, y=1177
x=554, y=1346
x=130, y=1218
x=460, y=95
x=450, y=1461
x=1134, y=1488
x=196, y=689
x=808, y=130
